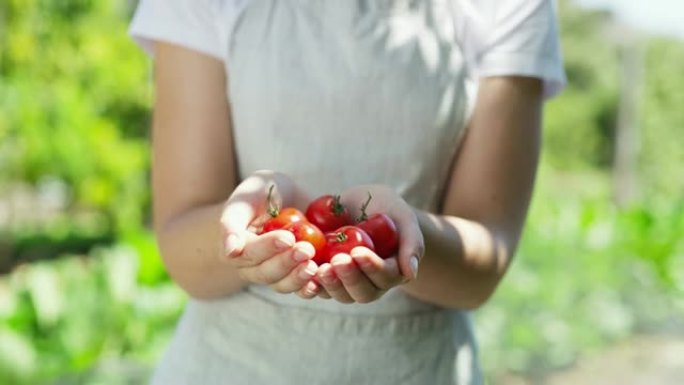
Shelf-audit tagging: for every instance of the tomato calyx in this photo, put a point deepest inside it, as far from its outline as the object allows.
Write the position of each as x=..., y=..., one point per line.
x=271, y=209
x=344, y=240
x=364, y=206
x=341, y=237
x=337, y=206
x=381, y=229
x=328, y=213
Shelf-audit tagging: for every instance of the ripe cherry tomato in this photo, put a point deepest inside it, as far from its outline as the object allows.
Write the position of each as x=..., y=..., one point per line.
x=305, y=231
x=328, y=213
x=344, y=240
x=383, y=232
x=282, y=219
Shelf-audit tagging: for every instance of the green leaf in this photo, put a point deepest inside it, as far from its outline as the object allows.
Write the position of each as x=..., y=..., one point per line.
x=47, y=294
x=18, y=357
x=121, y=269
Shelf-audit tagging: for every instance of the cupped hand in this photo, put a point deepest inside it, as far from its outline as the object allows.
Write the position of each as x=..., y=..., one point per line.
x=272, y=258
x=362, y=276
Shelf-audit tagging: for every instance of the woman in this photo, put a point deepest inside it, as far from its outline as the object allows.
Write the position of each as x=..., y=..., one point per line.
x=432, y=106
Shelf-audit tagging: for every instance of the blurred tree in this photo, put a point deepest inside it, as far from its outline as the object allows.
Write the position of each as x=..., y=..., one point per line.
x=75, y=101
x=579, y=125
x=662, y=122
x=625, y=178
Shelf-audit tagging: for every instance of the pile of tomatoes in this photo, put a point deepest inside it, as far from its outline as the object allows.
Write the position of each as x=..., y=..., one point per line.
x=331, y=229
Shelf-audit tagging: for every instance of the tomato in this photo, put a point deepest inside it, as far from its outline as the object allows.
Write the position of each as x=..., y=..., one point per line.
x=344, y=240
x=328, y=213
x=305, y=231
x=383, y=232
x=282, y=219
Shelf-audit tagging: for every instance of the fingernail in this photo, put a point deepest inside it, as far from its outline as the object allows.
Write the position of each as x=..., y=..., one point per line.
x=363, y=262
x=414, y=266
x=309, y=270
x=311, y=288
x=328, y=278
x=340, y=259
x=300, y=255
x=282, y=244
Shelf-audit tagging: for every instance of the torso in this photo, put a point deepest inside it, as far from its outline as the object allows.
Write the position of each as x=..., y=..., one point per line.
x=335, y=94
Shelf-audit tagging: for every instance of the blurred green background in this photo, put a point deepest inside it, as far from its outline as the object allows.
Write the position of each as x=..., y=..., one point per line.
x=84, y=298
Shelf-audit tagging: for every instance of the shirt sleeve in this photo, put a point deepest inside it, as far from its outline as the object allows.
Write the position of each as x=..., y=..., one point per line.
x=518, y=37
x=188, y=23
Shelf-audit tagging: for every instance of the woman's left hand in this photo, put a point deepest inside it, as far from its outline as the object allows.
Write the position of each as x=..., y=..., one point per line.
x=362, y=276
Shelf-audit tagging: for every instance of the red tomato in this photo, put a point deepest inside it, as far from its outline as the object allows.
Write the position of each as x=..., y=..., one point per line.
x=282, y=219
x=383, y=232
x=305, y=231
x=344, y=240
x=328, y=213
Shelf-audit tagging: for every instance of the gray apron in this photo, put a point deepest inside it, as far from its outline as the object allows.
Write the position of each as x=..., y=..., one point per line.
x=337, y=93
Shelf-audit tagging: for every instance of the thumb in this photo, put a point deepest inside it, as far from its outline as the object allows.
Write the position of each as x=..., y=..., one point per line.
x=411, y=249
x=236, y=216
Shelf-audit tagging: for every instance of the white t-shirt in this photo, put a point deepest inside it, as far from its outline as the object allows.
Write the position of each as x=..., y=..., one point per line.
x=398, y=102
x=512, y=37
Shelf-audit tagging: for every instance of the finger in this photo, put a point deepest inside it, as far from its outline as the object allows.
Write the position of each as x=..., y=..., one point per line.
x=260, y=248
x=236, y=216
x=332, y=285
x=290, y=273
x=383, y=273
x=247, y=201
x=309, y=290
x=411, y=245
x=359, y=287
x=322, y=293
x=257, y=224
x=280, y=266
x=233, y=245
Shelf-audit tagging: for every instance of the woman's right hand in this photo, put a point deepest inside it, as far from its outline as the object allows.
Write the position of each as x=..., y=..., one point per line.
x=273, y=258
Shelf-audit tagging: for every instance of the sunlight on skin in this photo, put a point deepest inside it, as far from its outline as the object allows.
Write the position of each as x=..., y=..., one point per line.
x=465, y=256
x=386, y=200
x=239, y=209
x=343, y=279
x=241, y=218
x=250, y=199
x=481, y=241
x=457, y=241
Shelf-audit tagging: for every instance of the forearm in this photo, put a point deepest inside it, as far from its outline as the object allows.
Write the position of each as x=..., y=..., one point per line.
x=463, y=263
x=491, y=183
x=191, y=246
